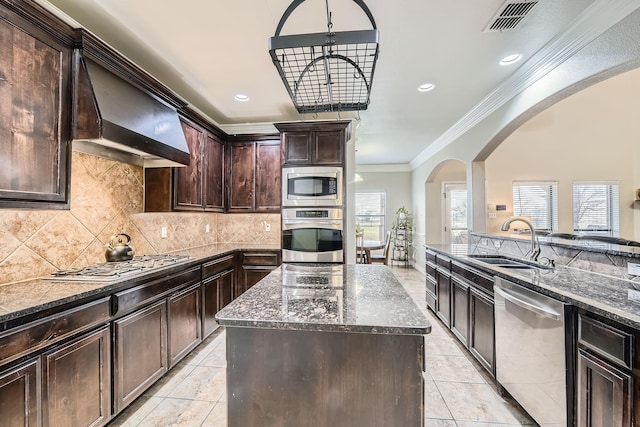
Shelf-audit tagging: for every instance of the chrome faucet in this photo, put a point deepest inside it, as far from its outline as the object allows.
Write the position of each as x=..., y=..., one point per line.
x=535, y=245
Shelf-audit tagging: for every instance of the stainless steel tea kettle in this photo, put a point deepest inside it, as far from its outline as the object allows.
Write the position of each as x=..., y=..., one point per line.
x=118, y=248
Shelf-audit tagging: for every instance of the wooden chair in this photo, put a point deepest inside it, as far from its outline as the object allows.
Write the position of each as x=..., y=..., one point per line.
x=361, y=255
x=384, y=258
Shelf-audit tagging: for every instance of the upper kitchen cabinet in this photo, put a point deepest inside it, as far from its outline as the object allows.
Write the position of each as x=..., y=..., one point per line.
x=200, y=185
x=253, y=174
x=35, y=101
x=314, y=143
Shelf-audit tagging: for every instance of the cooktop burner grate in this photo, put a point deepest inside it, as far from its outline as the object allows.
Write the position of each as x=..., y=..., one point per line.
x=110, y=271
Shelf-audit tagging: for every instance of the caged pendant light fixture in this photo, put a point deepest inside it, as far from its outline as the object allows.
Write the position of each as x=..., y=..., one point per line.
x=326, y=72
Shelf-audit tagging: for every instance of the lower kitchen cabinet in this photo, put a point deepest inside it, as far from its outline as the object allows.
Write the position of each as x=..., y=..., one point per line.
x=482, y=329
x=184, y=323
x=460, y=309
x=218, y=283
x=20, y=398
x=76, y=382
x=443, y=296
x=255, y=265
x=605, y=382
x=140, y=352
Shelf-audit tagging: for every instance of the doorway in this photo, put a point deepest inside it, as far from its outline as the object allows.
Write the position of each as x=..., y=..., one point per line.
x=454, y=205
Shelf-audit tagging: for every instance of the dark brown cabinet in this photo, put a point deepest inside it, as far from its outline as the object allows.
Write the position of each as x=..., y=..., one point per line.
x=443, y=289
x=253, y=176
x=184, y=327
x=35, y=101
x=77, y=379
x=140, y=352
x=314, y=143
x=20, y=398
x=255, y=265
x=460, y=309
x=605, y=383
x=200, y=186
x=218, y=283
x=482, y=329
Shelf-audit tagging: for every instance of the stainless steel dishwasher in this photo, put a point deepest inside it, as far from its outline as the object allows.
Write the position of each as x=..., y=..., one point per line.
x=531, y=362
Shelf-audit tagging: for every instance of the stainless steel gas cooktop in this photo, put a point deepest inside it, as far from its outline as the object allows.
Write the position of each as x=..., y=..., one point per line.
x=112, y=271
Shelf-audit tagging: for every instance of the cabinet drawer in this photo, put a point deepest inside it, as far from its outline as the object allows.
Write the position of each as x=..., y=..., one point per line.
x=605, y=340
x=43, y=332
x=430, y=269
x=476, y=277
x=430, y=256
x=431, y=285
x=219, y=265
x=443, y=261
x=140, y=295
x=261, y=258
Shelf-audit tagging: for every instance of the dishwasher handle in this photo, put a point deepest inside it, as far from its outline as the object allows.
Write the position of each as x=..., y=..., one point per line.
x=529, y=305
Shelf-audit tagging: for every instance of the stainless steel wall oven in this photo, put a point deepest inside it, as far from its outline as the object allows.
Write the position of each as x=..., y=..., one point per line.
x=312, y=235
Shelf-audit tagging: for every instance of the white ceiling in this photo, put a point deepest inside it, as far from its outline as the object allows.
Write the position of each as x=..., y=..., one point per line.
x=209, y=50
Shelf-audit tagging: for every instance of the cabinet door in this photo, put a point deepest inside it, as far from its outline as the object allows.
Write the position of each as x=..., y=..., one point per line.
x=460, y=309
x=241, y=177
x=296, y=148
x=210, y=305
x=481, y=333
x=213, y=177
x=604, y=393
x=34, y=124
x=268, y=171
x=328, y=148
x=444, y=297
x=226, y=286
x=250, y=276
x=431, y=292
x=140, y=352
x=188, y=179
x=77, y=380
x=20, y=401
x=184, y=328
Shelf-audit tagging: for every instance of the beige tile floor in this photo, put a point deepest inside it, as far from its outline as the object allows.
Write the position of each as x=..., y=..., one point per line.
x=457, y=391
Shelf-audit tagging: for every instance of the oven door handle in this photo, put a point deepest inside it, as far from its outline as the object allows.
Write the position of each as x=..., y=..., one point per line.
x=312, y=224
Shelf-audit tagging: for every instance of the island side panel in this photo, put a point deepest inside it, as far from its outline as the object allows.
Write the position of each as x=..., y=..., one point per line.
x=291, y=378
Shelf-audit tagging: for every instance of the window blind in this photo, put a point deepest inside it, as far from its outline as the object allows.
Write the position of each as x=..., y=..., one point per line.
x=596, y=209
x=539, y=201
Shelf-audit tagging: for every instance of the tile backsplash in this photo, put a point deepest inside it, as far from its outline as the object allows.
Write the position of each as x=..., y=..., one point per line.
x=107, y=198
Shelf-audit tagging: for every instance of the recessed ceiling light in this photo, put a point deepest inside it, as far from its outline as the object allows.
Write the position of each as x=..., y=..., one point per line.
x=241, y=97
x=426, y=87
x=510, y=59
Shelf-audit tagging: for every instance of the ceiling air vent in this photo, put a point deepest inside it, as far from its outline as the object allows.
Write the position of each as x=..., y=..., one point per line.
x=510, y=15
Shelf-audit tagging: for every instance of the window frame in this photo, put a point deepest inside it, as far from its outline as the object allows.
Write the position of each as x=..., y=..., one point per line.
x=549, y=191
x=612, y=209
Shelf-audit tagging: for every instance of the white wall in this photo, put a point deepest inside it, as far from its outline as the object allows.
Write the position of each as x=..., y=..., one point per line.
x=615, y=51
x=590, y=136
x=395, y=183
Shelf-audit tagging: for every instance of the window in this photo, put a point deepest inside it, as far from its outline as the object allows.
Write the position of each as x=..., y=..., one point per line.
x=596, y=209
x=370, y=210
x=455, y=214
x=539, y=201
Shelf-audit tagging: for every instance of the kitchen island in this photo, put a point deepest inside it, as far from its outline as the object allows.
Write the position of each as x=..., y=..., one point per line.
x=325, y=345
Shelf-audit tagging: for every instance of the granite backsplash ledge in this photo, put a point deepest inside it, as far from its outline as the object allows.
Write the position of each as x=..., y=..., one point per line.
x=107, y=199
x=607, y=259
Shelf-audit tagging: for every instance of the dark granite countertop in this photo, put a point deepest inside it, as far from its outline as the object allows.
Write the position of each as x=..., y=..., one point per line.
x=610, y=297
x=368, y=298
x=31, y=296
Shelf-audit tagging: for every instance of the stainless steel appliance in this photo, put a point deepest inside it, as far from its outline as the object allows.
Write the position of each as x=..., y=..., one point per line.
x=313, y=292
x=312, y=186
x=113, y=271
x=312, y=235
x=531, y=361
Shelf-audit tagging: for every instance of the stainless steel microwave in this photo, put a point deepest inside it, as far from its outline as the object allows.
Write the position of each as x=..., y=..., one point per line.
x=312, y=186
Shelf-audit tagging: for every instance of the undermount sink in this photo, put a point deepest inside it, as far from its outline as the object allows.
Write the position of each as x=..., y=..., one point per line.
x=507, y=262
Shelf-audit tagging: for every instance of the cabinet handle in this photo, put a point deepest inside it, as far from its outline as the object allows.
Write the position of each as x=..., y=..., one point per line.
x=52, y=336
